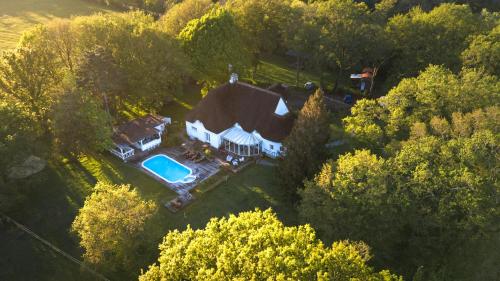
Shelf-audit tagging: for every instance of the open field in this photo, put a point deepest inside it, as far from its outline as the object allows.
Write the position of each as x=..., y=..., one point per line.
x=16, y=16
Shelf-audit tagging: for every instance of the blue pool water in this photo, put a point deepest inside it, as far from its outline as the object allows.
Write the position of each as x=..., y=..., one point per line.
x=168, y=169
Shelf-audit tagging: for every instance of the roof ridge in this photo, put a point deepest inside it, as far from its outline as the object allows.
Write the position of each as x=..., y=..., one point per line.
x=260, y=89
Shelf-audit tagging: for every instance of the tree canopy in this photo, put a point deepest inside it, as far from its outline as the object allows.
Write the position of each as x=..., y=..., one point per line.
x=414, y=208
x=80, y=125
x=110, y=223
x=435, y=37
x=435, y=92
x=257, y=246
x=214, y=42
x=305, y=144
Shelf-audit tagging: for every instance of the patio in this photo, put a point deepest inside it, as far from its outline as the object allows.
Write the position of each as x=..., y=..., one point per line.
x=201, y=169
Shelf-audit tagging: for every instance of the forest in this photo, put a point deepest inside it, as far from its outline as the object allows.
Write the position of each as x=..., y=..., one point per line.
x=411, y=193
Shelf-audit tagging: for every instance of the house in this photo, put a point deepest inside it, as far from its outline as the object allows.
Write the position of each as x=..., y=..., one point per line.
x=242, y=119
x=139, y=134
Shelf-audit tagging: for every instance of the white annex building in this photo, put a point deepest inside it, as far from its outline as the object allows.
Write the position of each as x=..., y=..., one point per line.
x=242, y=119
x=141, y=134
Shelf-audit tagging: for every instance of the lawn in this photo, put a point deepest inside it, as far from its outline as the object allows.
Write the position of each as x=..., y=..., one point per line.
x=276, y=69
x=16, y=16
x=53, y=197
x=25, y=259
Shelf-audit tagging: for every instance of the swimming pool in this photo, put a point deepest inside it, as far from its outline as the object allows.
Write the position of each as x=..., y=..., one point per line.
x=168, y=169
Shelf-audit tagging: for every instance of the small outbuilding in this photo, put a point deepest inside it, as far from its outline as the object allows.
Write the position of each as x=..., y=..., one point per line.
x=142, y=134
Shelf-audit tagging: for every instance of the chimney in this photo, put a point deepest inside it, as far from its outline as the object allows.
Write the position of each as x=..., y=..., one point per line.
x=233, y=79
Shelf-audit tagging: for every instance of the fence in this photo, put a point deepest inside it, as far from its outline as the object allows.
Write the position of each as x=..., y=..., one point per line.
x=54, y=248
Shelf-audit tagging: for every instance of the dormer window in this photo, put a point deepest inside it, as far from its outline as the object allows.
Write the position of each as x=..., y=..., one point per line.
x=281, y=108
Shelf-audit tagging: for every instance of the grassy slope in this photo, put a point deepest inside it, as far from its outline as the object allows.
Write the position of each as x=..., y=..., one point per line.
x=56, y=194
x=16, y=16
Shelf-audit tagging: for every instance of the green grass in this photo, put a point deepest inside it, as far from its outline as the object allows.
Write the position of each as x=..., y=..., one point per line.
x=17, y=16
x=27, y=259
x=274, y=69
x=53, y=197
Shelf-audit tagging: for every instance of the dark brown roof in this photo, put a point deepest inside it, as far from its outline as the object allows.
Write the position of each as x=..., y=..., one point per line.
x=280, y=89
x=250, y=106
x=137, y=129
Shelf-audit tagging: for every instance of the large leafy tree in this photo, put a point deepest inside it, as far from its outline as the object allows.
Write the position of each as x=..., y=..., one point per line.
x=416, y=208
x=17, y=132
x=484, y=51
x=342, y=36
x=177, y=17
x=435, y=92
x=150, y=60
x=214, y=42
x=257, y=246
x=99, y=74
x=262, y=23
x=367, y=122
x=435, y=37
x=110, y=224
x=29, y=77
x=80, y=124
x=302, y=36
x=305, y=144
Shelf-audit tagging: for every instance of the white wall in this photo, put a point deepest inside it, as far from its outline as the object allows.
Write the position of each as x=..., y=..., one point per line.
x=266, y=146
x=197, y=131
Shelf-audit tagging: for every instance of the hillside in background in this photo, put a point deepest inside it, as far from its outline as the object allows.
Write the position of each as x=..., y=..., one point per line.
x=17, y=16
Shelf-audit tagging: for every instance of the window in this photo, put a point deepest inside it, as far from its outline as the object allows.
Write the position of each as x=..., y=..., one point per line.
x=271, y=147
x=193, y=128
x=207, y=137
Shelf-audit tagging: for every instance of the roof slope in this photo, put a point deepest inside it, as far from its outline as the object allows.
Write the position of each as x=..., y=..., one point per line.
x=137, y=129
x=251, y=107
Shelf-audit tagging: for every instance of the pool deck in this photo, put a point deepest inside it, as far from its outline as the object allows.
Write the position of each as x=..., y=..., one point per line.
x=202, y=170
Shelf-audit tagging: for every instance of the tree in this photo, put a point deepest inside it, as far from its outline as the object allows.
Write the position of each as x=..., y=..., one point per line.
x=150, y=62
x=80, y=124
x=263, y=24
x=57, y=36
x=257, y=246
x=156, y=67
x=357, y=183
x=213, y=42
x=16, y=133
x=110, y=224
x=484, y=51
x=177, y=17
x=99, y=74
x=29, y=76
x=435, y=92
x=305, y=144
x=342, y=34
x=437, y=37
x=416, y=207
x=301, y=36
x=367, y=122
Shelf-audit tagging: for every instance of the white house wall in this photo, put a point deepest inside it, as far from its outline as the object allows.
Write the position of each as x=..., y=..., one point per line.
x=271, y=148
x=199, y=134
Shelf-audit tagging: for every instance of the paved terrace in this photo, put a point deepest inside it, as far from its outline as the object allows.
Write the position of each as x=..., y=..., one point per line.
x=202, y=170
